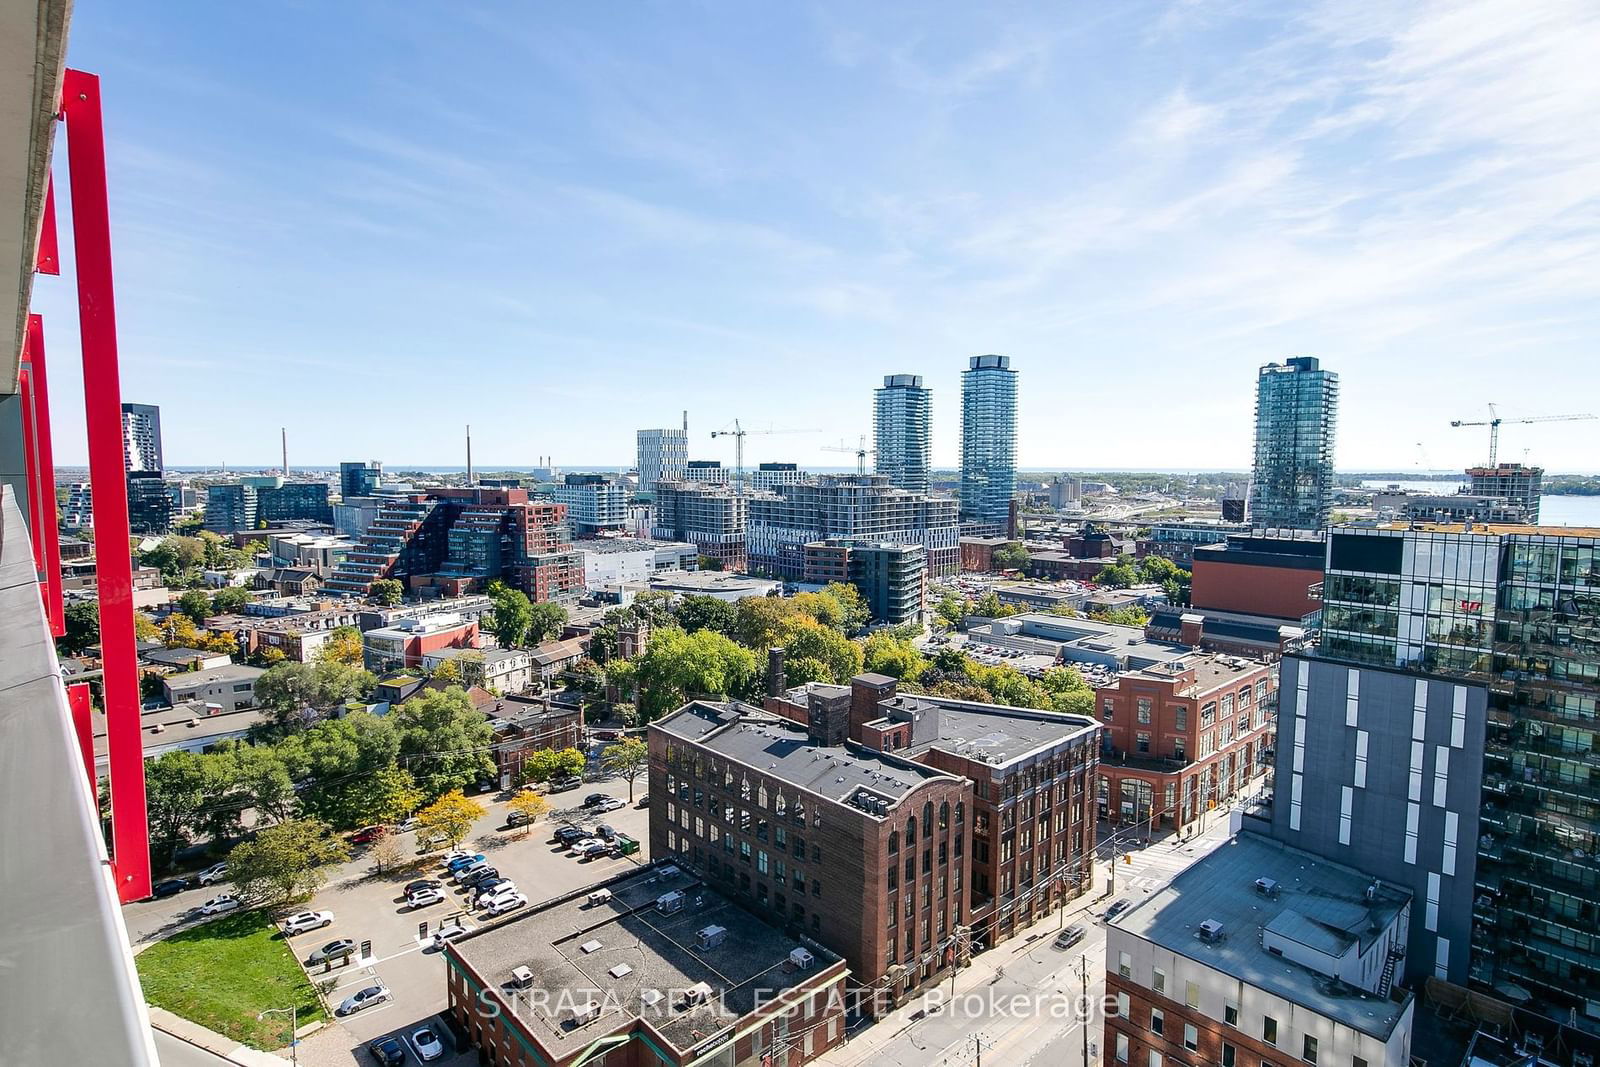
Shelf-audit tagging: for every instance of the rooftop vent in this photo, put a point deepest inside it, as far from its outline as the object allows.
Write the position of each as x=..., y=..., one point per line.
x=1267, y=887
x=590, y=946
x=698, y=993
x=600, y=896
x=668, y=903
x=801, y=958
x=621, y=970
x=650, y=997
x=711, y=936
x=586, y=1013
x=1210, y=930
x=521, y=977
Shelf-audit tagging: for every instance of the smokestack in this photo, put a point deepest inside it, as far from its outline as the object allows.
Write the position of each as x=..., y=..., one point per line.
x=775, y=674
x=469, y=453
x=284, y=430
x=686, y=422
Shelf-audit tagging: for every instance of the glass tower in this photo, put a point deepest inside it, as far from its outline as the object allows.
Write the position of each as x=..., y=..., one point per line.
x=988, y=439
x=1517, y=609
x=141, y=438
x=662, y=457
x=902, y=436
x=1296, y=408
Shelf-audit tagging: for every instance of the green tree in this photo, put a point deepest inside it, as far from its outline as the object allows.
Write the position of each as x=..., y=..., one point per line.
x=299, y=694
x=677, y=665
x=216, y=553
x=841, y=656
x=1118, y=575
x=1068, y=691
x=761, y=621
x=546, y=621
x=950, y=661
x=347, y=770
x=951, y=610
x=444, y=740
x=803, y=669
x=548, y=763
x=856, y=612
x=627, y=759
x=1011, y=556
x=386, y=591
x=1129, y=616
x=285, y=863
x=884, y=654
x=230, y=600
x=512, y=620
x=696, y=613
x=175, y=793
x=449, y=819
x=990, y=607
x=82, y=618
x=195, y=604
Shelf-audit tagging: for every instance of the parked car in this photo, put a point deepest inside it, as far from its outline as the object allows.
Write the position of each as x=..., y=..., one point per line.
x=610, y=804
x=421, y=883
x=447, y=934
x=170, y=887
x=214, y=873
x=643, y=801
x=368, y=834
x=220, y=904
x=388, y=1051
x=427, y=1044
x=1070, y=936
x=593, y=799
x=477, y=875
x=1117, y=908
x=509, y=902
x=597, y=850
x=607, y=832
x=490, y=886
x=580, y=845
x=459, y=860
x=421, y=898
x=568, y=835
x=333, y=950
x=302, y=921
x=406, y=824
x=517, y=818
x=562, y=785
x=363, y=998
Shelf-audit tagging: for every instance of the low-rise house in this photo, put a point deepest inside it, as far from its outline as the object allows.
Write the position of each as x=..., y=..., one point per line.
x=232, y=687
x=503, y=670
x=406, y=642
x=191, y=726
x=288, y=581
x=185, y=659
x=553, y=658
x=523, y=726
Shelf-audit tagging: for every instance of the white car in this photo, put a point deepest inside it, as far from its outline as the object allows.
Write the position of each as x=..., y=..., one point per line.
x=470, y=870
x=214, y=873
x=580, y=846
x=427, y=895
x=301, y=921
x=502, y=904
x=427, y=1044
x=506, y=890
x=446, y=934
x=610, y=804
x=218, y=905
x=363, y=998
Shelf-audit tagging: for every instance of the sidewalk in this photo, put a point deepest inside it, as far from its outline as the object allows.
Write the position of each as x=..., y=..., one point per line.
x=212, y=1042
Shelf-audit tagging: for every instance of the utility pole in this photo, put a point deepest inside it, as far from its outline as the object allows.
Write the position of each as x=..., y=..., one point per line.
x=1083, y=972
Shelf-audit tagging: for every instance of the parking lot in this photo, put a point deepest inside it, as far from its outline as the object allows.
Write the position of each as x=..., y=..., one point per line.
x=369, y=907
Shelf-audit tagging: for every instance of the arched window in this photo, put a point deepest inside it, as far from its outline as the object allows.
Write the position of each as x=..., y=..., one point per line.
x=944, y=816
x=911, y=829
x=761, y=796
x=894, y=842
x=961, y=813
x=779, y=806
x=927, y=818
x=744, y=789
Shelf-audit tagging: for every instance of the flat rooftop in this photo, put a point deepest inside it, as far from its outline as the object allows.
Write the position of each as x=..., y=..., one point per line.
x=575, y=951
x=1488, y=529
x=1211, y=671
x=232, y=672
x=1319, y=903
x=186, y=722
x=718, y=581
x=781, y=749
x=611, y=545
x=993, y=733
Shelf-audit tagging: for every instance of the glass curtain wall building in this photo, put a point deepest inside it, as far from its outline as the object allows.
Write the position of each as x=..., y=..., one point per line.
x=902, y=431
x=988, y=439
x=662, y=457
x=1516, y=608
x=1296, y=414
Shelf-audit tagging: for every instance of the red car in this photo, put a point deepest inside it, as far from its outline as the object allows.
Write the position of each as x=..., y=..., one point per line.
x=368, y=834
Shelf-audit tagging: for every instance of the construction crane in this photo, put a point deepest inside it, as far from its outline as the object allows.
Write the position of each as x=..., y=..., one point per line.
x=861, y=453
x=1494, y=421
x=738, y=433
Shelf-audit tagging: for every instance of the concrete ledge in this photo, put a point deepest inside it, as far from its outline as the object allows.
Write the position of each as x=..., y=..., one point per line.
x=215, y=1043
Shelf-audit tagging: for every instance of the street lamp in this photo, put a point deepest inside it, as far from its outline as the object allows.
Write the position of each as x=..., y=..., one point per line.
x=294, y=1042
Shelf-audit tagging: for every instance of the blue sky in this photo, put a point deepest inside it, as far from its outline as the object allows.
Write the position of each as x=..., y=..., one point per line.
x=373, y=223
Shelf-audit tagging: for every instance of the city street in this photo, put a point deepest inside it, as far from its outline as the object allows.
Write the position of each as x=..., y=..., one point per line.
x=371, y=907
x=1020, y=1001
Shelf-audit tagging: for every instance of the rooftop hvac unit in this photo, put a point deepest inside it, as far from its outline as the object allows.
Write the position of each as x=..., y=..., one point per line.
x=711, y=936
x=1267, y=887
x=801, y=958
x=586, y=1013
x=599, y=896
x=698, y=993
x=669, y=871
x=521, y=977
x=650, y=997
x=668, y=903
x=1210, y=930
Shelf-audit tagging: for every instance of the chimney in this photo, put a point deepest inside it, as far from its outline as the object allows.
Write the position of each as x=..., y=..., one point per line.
x=828, y=717
x=1190, y=627
x=775, y=679
x=866, y=692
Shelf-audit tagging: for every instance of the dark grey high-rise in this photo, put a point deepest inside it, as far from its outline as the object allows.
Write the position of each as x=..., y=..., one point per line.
x=1297, y=405
x=141, y=438
x=988, y=439
x=902, y=431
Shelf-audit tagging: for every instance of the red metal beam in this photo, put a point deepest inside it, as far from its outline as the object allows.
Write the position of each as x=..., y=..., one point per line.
x=83, y=726
x=48, y=260
x=45, y=466
x=102, y=401
x=30, y=456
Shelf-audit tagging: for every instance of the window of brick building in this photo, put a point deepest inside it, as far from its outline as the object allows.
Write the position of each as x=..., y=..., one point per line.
x=1158, y=1022
x=1191, y=1037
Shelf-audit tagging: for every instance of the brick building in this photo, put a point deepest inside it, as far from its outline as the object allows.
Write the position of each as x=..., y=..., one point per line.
x=1182, y=737
x=1261, y=955
x=1259, y=574
x=646, y=969
x=866, y=852
x=406, y=642
x=977, y=553
x=523, y=726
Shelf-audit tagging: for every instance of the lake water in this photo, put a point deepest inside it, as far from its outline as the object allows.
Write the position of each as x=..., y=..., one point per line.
x=1553, y=510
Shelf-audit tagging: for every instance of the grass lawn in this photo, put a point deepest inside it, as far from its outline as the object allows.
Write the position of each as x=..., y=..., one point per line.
x=221, y=974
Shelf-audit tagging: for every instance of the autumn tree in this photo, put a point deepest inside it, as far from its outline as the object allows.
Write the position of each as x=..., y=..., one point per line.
x=342, y=646
x=448, y=819
x=286, y=862
x=531, y=806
